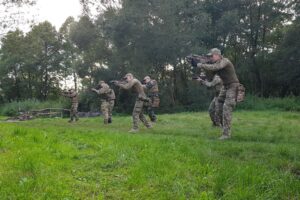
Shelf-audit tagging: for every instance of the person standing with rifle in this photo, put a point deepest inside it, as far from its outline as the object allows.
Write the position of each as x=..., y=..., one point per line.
x=131, y=83
x=228, y=97
x=214, y=109
x=107, y=98
x=72, y=94
x=151, y=87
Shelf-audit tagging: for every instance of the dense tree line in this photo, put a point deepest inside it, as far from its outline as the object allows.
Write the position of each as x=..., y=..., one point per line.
x=153, y=37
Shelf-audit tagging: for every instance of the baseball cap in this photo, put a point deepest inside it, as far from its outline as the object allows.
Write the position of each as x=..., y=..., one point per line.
x=214, y=51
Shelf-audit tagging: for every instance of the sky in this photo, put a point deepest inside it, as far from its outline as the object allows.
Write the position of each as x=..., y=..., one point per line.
x=56, y=11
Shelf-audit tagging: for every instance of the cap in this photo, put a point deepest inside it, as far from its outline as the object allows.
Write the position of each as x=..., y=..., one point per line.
x=214, y=51
x=128, y=74
x=100, y=82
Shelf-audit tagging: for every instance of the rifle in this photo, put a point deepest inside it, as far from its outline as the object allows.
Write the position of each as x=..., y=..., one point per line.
x=65, y=92
x=194, y=59
x=114, y=81
x=95, y=89
x=117, y=81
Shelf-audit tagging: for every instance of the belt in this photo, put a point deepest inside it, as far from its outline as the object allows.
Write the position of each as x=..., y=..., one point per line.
x=230, y=84
x=107, y=99
x=153, y=95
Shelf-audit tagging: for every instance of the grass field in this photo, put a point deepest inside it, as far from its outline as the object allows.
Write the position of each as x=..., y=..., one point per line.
x=180, y=158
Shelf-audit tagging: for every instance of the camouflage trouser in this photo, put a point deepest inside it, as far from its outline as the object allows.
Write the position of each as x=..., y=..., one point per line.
x=151, y=113
x=138, y=114
x=73, y=112
x=214, y=112
x=111, y=107
x=227, y=99
x=151, y=106
x=106, y=109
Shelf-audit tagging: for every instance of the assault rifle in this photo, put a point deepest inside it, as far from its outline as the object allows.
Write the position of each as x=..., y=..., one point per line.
x=95, y=89
x=194, y=59
x=117, y=81
x=201, y=76
x=65, y=92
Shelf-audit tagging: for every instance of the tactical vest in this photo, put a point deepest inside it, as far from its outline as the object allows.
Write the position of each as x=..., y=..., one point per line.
x=152, y=87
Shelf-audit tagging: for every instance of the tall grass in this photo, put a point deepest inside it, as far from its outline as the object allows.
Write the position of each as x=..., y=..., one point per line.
x=180, y=158
x=251, y=102
x=15, y=107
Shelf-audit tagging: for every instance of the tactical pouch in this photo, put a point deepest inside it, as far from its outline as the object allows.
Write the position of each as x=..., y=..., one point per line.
x=155, y=102
x=240, y=93
x=142, y=98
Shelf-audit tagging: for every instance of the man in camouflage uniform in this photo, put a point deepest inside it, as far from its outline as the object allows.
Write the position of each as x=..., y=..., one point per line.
x=225, y=69
x=214, y=107
x=107, y=98
x=151, y=86
x=72, y=94
x=135, y=85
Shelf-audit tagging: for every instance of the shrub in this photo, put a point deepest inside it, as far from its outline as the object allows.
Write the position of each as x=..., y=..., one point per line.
x=257, y=103
x=15, y=107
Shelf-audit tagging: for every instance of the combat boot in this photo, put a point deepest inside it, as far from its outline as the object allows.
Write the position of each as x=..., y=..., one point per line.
x=224, y=137
x=134, y=130
x=153, y=119
x=216, y=125
x=105, y=121
x=149, y=126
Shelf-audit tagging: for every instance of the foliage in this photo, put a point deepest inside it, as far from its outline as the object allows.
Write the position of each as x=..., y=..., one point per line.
x=180, y=158
x=15, y=107
x=153, y=37
x=290, y=103
x=30, y=64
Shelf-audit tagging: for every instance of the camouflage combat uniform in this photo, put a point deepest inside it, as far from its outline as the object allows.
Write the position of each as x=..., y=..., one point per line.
x=107, y=98
x=141, y=99
x=152, y=92
x=73, y=111
x=227, y=98
x=214, y=107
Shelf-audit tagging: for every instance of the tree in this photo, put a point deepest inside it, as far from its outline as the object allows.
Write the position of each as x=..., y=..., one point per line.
x=287, y=60
x=70, y=52
x=44, y=57
x=92, y=47
x=12, y=64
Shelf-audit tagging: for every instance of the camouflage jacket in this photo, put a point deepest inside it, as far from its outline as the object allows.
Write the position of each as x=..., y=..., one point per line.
x=151, y=87
x=224, y=68
x=73, y=96
x=106, y=93
x=216, y=82
x=135, y=85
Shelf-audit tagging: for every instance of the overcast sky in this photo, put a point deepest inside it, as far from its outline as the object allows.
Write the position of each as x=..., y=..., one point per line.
x=56, y=11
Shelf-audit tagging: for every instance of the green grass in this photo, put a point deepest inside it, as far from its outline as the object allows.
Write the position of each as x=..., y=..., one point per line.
x=180, y=158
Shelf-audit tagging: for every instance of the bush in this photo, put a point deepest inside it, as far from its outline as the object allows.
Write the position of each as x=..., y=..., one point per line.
x=89, y=102
x=15, y=107
x=257, y=103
